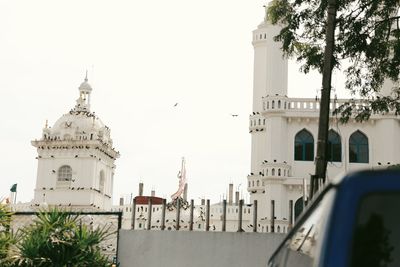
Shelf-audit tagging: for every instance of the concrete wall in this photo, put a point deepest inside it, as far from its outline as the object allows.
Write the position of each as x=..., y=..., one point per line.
x=192, y=249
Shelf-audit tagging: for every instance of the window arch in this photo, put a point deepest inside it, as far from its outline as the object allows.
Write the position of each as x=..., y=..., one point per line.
x=64, y=173
x=273, y=172
x=334, y=147
x=101, y=181
x=304, y=146
x=273, y=104
x=358, y=148
x=279, y=104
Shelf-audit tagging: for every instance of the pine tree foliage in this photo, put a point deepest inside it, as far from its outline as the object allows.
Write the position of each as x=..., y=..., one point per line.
x=367, y=47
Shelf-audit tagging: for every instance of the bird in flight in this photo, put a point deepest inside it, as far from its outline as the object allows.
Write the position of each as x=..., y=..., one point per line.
x=234, y=115
x=175, y=104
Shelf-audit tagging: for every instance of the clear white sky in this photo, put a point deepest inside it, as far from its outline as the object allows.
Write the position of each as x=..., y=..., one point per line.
x=142, y=58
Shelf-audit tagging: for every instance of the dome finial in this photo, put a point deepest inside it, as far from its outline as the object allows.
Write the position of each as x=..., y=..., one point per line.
x=86, y=79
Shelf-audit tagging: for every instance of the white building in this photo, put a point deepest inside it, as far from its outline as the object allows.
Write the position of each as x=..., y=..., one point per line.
x=76, y=159
x=284, y=132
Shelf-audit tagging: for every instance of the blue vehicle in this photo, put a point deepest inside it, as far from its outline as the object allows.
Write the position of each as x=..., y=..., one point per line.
x=352, y=222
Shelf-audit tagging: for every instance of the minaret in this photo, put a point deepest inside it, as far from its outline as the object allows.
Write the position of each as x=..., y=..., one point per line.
x=76, y=159
x=267, y=121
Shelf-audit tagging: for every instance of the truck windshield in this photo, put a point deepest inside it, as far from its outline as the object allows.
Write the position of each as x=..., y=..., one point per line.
x=303, y=242
x=376, y=240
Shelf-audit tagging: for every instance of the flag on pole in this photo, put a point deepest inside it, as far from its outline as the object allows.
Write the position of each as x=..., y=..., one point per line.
x=13, y=188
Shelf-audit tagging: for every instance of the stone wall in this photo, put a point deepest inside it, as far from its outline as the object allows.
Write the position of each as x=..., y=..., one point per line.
x=192, y=249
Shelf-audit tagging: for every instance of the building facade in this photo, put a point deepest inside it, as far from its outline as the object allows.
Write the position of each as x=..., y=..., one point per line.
x=284, y=137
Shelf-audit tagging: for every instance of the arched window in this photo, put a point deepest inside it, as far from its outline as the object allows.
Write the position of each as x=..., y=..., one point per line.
x=334, y=147
x=258, y=182
x=273, y=172
x=279, y=104
x=101, y=182
x=268, y=105
x=273, y=104
x=358, y=148
x=304, y=146
x=64, y=173
x=298, y=208
x=279, y=172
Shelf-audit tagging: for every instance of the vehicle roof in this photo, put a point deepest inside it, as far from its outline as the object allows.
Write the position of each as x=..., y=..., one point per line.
x=375, y=180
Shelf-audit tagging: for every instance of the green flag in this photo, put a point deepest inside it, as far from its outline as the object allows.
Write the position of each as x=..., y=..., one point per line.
x=13, y=188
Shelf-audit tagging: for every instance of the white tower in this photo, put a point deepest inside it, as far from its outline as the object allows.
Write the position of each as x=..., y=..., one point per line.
x=76, y=159
x=267, y=118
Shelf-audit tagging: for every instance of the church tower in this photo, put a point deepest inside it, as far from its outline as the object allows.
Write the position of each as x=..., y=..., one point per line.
x=268, y=124
x=76, y=159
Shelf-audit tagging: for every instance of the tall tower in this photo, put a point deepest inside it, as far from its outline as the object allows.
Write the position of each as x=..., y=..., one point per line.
x=76, y=159
x=267, y=118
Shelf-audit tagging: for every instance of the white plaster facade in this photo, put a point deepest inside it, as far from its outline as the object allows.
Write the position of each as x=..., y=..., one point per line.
x=76, y=159
x=277, y=177
x=81, y=141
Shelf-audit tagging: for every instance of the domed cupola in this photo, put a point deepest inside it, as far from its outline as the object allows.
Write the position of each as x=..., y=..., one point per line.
x=79, y=123
x=76, y=158
x=83, y=102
